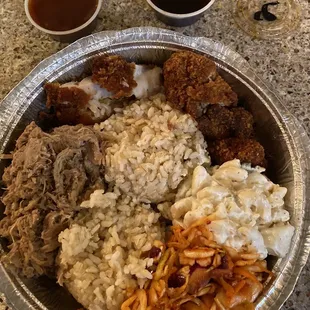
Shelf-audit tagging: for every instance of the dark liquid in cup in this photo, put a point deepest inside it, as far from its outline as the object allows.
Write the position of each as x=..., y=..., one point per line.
x=61, y=15
x=180, y=6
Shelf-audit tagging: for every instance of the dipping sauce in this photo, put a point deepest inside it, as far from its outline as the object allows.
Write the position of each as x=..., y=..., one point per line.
x=180, y=6
x=61, y=15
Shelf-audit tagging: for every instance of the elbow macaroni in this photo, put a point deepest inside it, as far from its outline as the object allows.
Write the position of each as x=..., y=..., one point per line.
x=247, y=207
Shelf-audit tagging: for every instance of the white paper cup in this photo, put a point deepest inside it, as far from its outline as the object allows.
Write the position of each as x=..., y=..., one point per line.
x=68, y=35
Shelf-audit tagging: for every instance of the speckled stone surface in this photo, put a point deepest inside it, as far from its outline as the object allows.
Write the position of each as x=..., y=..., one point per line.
x=284, y=63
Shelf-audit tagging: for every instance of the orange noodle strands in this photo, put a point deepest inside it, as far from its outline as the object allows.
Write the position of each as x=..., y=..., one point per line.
x=227, y=287
x=245, y=273
x=239, y=286
x=193, y=272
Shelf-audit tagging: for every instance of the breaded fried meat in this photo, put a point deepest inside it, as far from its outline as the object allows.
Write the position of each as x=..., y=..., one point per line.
x=216, y=123
x=192, y=83
x=246, y=150
x=220, y=122
x=69, y=103
x=114, y=74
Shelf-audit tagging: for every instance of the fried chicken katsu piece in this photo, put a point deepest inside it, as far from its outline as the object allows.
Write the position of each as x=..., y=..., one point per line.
x=220, y=122
x=217, y=123
x=114, y=74
x=192, y=83
x=214, y=92
x=69, y=103
x=93, y=99
x=246, y=150
x=243, y=123
x=184, y=69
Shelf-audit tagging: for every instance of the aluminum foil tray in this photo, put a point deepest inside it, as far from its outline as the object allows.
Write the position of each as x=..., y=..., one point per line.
x=286, y=143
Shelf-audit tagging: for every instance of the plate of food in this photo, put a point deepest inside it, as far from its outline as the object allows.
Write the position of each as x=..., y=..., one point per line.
x=144, y=169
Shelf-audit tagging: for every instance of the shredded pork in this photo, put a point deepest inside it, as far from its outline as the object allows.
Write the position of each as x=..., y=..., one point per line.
x=49, y=175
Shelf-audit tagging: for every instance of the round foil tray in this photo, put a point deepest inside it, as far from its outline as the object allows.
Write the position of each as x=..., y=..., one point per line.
x=285, y=141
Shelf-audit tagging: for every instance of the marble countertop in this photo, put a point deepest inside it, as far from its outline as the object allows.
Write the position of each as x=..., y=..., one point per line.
x=283, y=63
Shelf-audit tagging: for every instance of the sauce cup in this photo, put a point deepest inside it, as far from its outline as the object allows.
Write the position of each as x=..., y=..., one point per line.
x=71, y=35
x=179, y=20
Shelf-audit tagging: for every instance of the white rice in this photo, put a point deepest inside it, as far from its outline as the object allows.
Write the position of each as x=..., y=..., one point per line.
x=100, y=253
x=151, y=147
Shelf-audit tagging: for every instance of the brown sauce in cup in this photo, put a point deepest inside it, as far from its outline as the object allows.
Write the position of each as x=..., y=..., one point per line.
x=180, y=6
x=61, y=15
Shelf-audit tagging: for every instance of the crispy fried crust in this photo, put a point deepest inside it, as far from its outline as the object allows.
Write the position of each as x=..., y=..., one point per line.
x=52, y=94
x=217, y=123
x=247, y=150
x=182, y=70
x=69, y=104
x=243, y=123
x=220, y=122
x=191, y=83
x=115, y=74
x=214, y=92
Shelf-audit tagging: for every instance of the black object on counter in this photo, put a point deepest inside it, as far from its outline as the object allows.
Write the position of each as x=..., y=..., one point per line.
x=258, y=15
x=266, y=14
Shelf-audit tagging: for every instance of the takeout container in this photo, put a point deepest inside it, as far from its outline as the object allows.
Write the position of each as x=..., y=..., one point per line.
x=286, y=143
x=179, y=20
x=71, y=35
